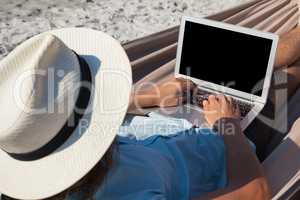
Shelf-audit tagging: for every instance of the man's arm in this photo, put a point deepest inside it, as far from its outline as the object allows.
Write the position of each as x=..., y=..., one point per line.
x=142, y=101
x=169, y=93
x=246, y=179
x=288, y=50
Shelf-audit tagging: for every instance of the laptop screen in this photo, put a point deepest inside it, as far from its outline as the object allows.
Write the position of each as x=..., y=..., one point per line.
x=224, y=57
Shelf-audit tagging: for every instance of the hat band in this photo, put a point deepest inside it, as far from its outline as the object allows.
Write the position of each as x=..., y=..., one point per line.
x=66, y=131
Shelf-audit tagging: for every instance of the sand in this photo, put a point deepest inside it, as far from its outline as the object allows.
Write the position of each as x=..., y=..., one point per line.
x=123, y=19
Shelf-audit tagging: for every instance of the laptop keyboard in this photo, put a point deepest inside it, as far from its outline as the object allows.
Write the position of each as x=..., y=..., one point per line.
x=201, y=95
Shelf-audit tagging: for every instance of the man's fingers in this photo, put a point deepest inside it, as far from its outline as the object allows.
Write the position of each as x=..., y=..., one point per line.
x=205, y=104
x=222, y=98
x=229, y=99
x=212, y=98
x=186, y=85
x=182, y=99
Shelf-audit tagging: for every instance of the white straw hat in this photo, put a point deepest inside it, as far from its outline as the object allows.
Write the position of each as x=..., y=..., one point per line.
x=64, y=94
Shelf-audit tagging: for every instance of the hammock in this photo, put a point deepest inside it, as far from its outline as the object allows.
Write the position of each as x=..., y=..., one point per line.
x=153, y=61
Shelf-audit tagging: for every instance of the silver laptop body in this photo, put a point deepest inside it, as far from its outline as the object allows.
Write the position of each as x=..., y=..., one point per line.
x=256, y=102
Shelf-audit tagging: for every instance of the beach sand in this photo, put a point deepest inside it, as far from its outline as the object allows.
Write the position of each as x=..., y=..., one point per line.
x=123, y=19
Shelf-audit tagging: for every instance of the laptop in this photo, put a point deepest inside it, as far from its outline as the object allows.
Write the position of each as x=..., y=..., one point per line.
x=225, y=59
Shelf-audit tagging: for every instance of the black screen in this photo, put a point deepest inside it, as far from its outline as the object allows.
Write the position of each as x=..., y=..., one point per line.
x=224, y=57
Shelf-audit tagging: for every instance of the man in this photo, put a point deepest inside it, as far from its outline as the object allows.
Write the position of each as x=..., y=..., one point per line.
x=246, y=179
x=216, y=163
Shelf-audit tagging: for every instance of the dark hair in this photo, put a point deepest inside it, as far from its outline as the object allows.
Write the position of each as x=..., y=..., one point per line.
x=85, y=188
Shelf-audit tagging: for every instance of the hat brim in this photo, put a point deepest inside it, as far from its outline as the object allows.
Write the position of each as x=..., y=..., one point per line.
x=112, y=80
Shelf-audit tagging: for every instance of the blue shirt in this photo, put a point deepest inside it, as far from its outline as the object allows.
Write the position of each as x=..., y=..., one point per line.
x=183, y=166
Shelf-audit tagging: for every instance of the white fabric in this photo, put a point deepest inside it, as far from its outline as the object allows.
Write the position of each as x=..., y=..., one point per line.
x=141, y=128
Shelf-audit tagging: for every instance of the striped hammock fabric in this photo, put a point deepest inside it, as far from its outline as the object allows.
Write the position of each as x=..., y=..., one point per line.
x=153, y=61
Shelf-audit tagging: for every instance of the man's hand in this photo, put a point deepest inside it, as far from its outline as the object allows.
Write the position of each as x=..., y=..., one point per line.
x=246, y=179
x=218, y=107
x=171, y=93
